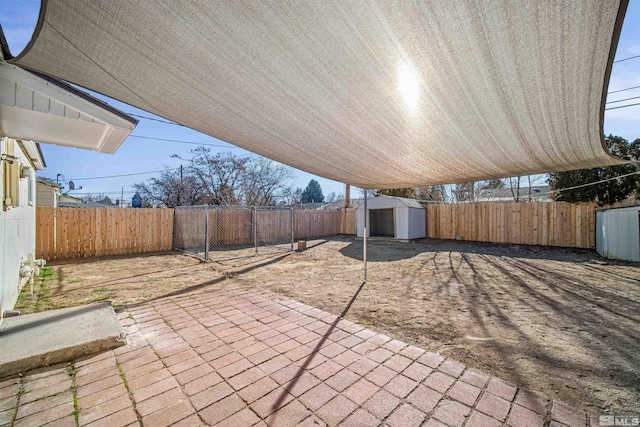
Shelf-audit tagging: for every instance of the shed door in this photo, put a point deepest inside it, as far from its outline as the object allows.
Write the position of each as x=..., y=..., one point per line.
x=382, y=223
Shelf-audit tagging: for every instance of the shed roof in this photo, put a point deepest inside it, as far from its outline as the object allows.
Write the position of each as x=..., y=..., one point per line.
x=375, y=94
x=378, y=201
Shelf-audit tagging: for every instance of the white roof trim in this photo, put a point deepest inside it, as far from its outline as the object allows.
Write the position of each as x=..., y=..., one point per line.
x=39, y=109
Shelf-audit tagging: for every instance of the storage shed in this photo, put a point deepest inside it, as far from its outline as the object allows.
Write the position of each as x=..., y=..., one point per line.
x=393, y=217
x=618, y=233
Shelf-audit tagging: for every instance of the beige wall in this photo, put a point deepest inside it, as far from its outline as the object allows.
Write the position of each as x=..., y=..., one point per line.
x=46, y=195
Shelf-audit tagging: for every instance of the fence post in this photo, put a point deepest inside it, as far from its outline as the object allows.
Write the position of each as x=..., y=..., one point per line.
x=255, y=227
x=206, y=234
x=173, y=234
x=217, y=238
x=292, y=229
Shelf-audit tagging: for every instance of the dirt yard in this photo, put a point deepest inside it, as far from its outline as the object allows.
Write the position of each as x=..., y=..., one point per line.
x=546, y=319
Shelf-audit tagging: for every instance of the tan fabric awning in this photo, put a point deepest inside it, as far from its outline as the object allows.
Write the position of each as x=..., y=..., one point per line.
x=376, y=94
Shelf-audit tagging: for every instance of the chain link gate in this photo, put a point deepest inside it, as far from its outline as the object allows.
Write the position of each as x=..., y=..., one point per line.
x=220, y=233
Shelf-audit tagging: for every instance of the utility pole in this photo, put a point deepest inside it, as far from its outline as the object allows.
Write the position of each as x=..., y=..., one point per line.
x=121, y=198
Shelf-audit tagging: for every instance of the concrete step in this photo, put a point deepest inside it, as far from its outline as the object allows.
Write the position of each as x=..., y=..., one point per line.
x=50, y=337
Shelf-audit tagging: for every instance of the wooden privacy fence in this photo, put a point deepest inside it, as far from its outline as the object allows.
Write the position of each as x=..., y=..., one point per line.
x=63, y=233
x=534, y=223
x=309, y=224
x=348, y=221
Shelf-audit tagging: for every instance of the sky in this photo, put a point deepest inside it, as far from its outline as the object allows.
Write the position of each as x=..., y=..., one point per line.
x=18, y=19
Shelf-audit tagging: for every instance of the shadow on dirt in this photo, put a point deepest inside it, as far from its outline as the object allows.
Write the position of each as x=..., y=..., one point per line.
x=389, y=250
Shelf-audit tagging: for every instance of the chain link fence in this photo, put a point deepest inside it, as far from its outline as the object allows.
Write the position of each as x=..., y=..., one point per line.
x=218, y=233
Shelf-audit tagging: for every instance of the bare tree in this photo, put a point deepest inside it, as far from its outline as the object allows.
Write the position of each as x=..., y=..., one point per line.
x=433, y=193
x=172, y=189
x=265, y=182
x=517, y=191
x=331, y=197
x=225, y=179
x=467, y=191
x=220, y=174
x=293, y=197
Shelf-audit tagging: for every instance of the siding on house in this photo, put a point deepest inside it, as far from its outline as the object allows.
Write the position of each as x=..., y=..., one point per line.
x=17, y=229
x=46, y=195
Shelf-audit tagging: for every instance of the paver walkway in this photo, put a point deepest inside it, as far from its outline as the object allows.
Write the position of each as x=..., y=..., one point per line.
x=235, y=358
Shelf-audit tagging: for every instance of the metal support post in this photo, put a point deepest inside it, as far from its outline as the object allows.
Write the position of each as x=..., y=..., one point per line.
x=255, y=227
x=206, y=233
x=293, y=229
x=364, y=236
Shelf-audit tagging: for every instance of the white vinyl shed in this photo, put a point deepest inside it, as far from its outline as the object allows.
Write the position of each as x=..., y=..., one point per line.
x=618, y=233
x=393, y=217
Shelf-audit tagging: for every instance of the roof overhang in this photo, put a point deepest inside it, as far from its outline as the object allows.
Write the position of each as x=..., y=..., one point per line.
x=38, y=108
x=375, y=94
x=32, y=150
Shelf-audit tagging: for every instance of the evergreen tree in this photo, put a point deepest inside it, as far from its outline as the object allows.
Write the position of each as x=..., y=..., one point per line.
x=136, y=201
x=605, y=193
x=313, y=193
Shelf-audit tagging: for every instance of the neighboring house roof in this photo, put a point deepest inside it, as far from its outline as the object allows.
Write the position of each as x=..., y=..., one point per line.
x=86, y=205
x=339, y=204
x=540, y=193
x=65, y=198
x=309, y=206
x=45, y=181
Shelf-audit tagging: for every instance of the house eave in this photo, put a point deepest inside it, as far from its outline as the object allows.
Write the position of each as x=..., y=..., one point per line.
x=34, y=107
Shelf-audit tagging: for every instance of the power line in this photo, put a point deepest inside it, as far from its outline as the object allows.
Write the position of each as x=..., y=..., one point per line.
x=626, y=59
x=621, y=100
x=144, y=173
x=185, y=142
x=622, y=90
x=623, y=106
x=591, y=183
x=119, y=176
x=155, y=120
x=103, y=192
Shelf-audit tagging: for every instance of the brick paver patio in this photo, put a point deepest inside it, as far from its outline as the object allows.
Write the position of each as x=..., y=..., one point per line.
x=235, y=358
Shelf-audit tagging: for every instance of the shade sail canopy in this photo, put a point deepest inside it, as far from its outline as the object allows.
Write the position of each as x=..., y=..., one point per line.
x=375, y=94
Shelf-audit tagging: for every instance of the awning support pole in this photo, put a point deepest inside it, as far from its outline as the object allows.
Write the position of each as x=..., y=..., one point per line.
x=364, y=235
